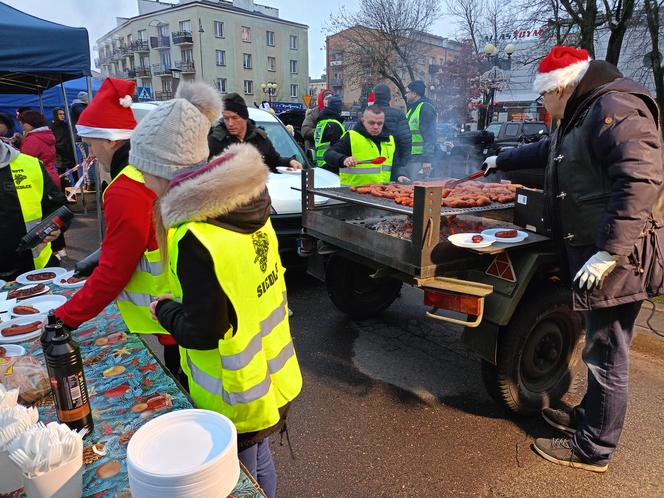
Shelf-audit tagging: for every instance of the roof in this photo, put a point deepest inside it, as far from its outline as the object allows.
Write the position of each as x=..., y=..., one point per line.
x=36, y=54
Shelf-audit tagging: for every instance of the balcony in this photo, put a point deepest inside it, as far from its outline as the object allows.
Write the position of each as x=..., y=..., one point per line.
x=141, y=46
x=160, y=42
x=182, y=38
x=127, y=50
x=161, y=70
x=116, y=55
x=142, y=72
x=185, y=66
x=163, y=95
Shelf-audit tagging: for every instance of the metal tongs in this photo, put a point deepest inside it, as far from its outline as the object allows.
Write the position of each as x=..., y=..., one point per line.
x=468, y=178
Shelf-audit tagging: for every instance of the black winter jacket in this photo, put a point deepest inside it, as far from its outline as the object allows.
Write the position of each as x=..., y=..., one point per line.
x=428, y=120
x=335, y=155
x=64, y=154
x=220, y=139
x=608, y=145
x=332, y=132
x=396, y=125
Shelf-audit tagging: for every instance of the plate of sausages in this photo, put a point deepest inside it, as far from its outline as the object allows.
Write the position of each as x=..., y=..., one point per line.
x=506, y=235
x=43, y=275
x=28, y=291
x=21, y=329
x=471, y=240
x=38, y=305
x=69, y=281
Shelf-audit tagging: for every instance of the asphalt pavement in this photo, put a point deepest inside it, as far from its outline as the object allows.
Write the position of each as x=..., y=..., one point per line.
x=395, y=406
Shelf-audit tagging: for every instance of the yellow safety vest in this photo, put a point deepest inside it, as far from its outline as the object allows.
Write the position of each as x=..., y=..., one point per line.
x=322, y=147
x=362, y=149
x=148, y=281
x=413, y=116
x=29, y=182
x=254, y=371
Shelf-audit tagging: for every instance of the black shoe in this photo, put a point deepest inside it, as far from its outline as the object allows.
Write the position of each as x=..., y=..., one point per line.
x=559, y=451
x=559, y=419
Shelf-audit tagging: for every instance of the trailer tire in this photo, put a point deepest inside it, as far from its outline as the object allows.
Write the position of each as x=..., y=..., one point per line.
x=539, y=352
x=354, y=292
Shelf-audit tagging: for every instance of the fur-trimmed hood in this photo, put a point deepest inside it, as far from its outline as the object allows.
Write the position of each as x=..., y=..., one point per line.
x=234, y=182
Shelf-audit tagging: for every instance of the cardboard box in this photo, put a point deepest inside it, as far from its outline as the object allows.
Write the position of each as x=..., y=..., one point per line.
x=529, y=210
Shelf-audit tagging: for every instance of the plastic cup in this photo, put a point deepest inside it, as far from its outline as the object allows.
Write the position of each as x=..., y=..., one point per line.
x=11, y=477
x=64, y=481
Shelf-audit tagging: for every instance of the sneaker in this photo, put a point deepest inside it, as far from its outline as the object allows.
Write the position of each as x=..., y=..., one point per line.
x=559, y=451
x=560, y=419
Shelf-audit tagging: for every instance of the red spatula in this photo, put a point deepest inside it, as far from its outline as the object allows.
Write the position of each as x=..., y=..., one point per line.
x=468, y=178
x=377, y=160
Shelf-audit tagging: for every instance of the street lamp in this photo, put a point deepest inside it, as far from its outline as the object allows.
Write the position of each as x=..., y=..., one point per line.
x=200, y=44
x=271, y=90
x=495, y=77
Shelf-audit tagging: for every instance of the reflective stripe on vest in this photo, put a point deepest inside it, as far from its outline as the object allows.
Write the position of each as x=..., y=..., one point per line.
x=254, y=370
x=322, y=147
x=413, y=116
x=29, y=183
x=362, y=149
x=148, y=281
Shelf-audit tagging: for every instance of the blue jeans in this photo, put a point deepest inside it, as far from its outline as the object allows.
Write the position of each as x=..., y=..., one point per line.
x=601, y=414
x=258, y=461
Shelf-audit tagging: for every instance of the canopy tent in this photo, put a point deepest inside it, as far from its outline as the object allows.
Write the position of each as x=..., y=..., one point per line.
x=36, y=54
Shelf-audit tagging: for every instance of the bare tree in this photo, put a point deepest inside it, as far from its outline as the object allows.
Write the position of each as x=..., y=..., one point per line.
x=383, y=39
x=652, y=11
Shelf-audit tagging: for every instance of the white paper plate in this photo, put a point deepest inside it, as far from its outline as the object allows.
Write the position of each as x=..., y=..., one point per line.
x=2, y=283
x=43, y=291
x=13, y=350
x=22, y=321
x=521, y=235
x=465, y=240
x=23, y=278
x=60, y=281
x=43, y=303
x=288, y=171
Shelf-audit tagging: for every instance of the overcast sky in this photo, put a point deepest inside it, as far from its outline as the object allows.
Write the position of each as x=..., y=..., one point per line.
x=98, y=16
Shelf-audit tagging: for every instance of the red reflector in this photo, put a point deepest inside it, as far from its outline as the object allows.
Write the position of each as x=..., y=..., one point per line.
x=461, y=303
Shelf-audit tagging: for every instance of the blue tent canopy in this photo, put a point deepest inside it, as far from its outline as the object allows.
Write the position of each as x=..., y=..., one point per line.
x=36, y=54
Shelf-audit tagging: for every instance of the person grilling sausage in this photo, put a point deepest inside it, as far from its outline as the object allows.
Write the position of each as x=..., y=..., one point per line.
x=603, y=190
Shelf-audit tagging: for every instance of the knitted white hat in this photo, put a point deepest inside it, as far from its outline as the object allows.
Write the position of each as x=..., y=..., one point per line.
x=172, y=139
x=563, y=66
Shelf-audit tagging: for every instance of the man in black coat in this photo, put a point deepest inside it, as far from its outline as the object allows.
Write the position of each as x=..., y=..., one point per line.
x=329, y=128
x=64, y=153
x=396, y=125
x=236, y=127
x=603, y=189
x=422, y=118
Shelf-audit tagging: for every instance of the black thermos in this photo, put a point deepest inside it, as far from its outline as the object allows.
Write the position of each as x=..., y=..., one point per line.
x=65, y=370
x=50, y=331
x=57, y=220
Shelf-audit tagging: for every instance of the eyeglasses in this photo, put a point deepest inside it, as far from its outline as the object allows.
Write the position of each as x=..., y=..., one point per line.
x=540, y=100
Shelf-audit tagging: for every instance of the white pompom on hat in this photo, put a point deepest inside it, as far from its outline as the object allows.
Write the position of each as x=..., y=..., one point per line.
x=562, y=67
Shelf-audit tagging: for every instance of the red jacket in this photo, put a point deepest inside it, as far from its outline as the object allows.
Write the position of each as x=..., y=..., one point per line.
x=129, y=233
x=40, y=143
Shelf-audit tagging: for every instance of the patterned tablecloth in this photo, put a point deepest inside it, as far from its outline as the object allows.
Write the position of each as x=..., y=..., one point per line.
x=127, y=387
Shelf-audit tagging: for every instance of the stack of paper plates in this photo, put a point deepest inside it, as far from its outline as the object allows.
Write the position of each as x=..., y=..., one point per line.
x=186, y=453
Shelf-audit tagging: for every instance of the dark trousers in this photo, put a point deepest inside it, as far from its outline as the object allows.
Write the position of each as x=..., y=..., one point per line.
x=601, y=414
x=172, y=362
x=258, y=461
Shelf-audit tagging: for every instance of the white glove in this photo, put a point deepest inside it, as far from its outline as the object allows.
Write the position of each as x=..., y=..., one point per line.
x=596, y=269
x=489, y=166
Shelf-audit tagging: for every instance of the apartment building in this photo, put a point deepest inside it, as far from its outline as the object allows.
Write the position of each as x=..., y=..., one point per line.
x=237, y=45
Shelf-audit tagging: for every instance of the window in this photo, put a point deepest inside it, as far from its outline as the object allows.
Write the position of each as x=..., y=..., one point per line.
x=271, y=63
x=187, y=55
x=165, y=58
x=164, y=31
x=248, y=87
x=221, y=85
x=270, y=38
x=512, y=130
x=535, y=129
x=167, y=85
x=185, y=26
x=246, y=61
x=142, y=35
x=221, y=57
x=494, y=128
x=130, y=40
x=293, y=90
x=293, y=42
x=293, y=67
x=246, y=34
x=145, y=61
x=218, y=29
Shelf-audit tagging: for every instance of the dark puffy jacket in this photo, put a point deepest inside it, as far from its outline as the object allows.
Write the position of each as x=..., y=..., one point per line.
x=396, y=124
x=64, y=154
x=332, y=132
x=603, y=184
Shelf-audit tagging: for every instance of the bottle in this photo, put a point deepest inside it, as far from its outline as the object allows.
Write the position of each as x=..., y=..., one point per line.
x=70, y=392
x=57, y=220
x=50, y=331
x=86, y=266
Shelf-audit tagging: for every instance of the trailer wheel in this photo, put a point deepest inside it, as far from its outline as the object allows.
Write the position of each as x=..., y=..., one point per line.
x=353, y=291
x=538, y=353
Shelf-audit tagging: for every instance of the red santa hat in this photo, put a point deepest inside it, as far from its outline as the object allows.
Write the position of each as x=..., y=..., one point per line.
x=371, y=99
x=563, y=66
x=109, y=114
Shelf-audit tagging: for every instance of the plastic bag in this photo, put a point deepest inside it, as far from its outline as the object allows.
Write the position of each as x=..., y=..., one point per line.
x=27, y=374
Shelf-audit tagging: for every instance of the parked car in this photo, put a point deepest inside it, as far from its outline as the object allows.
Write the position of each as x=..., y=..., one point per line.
x=284, y=188
x=294, y=117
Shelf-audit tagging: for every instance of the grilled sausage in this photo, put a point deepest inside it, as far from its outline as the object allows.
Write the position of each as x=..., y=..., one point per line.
x=21, y=329
x=21, y=293
x=38, y=277
x=506, y=234
x=25, y=310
